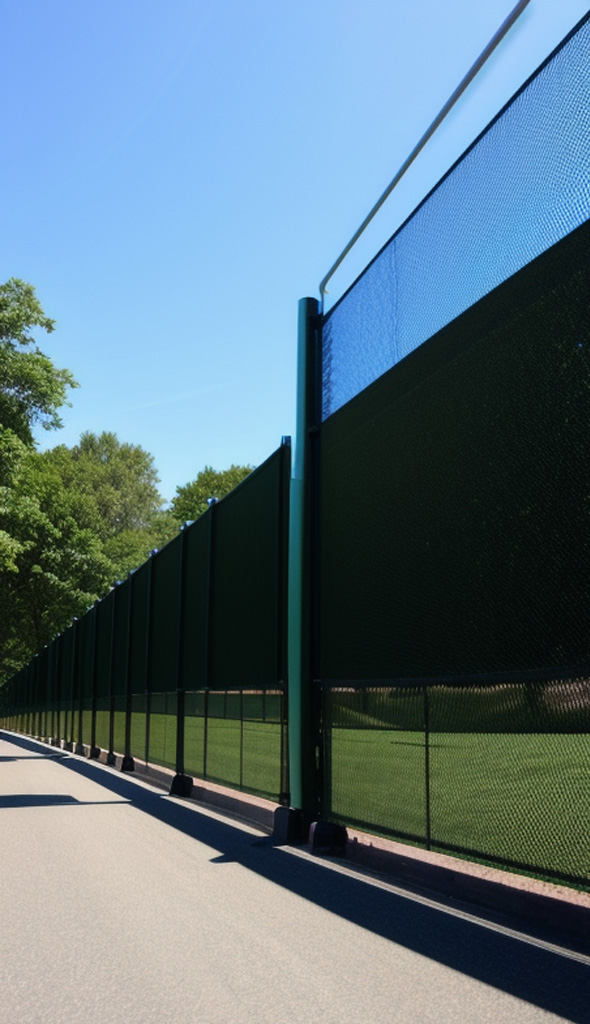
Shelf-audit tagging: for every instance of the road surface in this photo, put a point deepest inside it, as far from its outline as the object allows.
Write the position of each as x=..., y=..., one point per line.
x=122, y=904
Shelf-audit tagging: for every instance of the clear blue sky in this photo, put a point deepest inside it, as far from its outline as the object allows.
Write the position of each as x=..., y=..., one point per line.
x=176, y=174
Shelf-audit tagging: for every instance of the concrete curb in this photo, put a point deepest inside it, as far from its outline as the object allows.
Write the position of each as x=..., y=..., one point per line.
x=559, y=913
x=253, y=809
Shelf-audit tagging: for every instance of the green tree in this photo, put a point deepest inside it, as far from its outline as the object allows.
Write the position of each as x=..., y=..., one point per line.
x=129, y=548
x=190, y=500
x=121, y=479
x=12, y=453
x=55, y=565
x=36, y=527
x=32, y=389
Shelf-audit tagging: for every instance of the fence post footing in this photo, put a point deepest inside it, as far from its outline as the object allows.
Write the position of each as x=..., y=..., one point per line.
x=127, y=764
x=288, y=825
x=68, y=745
x=182, y=785
x=328, y=837
x=80, y=749
x=94, y=753
x=111, y=759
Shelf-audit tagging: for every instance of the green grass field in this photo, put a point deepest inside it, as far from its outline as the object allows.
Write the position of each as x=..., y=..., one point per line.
x=522, y=798
x=248, y=758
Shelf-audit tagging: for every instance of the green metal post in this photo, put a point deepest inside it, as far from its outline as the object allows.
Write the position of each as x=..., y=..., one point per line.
x=79, y=748
x=94, y=750
x=111, y=759
x=128, y=762
x=148, y=652
x=301, y=732
x=182, y=784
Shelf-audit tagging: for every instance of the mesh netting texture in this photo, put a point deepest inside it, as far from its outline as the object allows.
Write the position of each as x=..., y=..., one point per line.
x=523, y=185
x=497, y=772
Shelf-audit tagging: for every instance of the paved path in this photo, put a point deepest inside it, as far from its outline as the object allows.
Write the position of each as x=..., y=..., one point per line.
x=121, y=904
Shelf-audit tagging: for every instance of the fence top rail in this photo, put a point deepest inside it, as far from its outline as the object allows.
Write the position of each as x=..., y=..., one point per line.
x=455, y=96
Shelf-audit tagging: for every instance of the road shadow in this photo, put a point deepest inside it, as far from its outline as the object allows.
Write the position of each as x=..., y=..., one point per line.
x=537, y=975
x=36, y=800
x=27, y=757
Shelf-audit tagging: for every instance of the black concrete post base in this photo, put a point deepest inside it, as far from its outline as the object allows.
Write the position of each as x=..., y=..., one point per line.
x=288, y=825
x=182, y=785
x=111, y=759
x=80, y=749
x=94, y=753
x=128, y=764
x=55, y=742
x=68, y=745
x=327, y=837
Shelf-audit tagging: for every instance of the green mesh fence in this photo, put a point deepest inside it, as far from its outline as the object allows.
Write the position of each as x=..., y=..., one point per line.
x=239, y=738
x=171, y=650
x=452, y=537
x=455, y=502
x=164, y=619
x=454, y=532
x=162, y=729
x=248, y=577
x=496, y=772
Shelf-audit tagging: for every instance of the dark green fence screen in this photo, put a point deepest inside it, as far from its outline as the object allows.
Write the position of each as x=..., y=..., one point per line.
x=182, y=664
x=453, y=528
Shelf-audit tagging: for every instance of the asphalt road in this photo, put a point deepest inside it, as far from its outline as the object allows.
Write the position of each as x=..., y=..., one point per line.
x=121, y=904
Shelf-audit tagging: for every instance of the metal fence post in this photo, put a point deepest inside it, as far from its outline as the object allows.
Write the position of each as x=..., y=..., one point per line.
x=182, y=784
x=79, y=748
x=111, y=759
x=208, y=619
x=148, y=647
x=304, y=797
x=128, y=763
x=94, y=750
x=57, y=719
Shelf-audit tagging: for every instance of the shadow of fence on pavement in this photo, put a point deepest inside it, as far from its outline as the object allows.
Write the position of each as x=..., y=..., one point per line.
x=549, y=979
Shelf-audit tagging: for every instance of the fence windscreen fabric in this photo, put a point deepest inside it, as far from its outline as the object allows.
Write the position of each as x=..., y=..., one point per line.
x=452, y=535
x=522, y=186
x=235, y=729
x=249, y=569
x=454, y=524
x=453, y=582
x=192, y=643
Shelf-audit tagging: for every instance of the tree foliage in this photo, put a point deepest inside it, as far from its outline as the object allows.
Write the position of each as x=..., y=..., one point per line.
x=190, y=500
x=56, y=565
x=119, y=482
x=120, y=478
x=32, y=389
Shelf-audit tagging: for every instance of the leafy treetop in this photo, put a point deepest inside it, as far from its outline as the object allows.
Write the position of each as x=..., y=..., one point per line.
x=32, y=389
x=190, y=500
